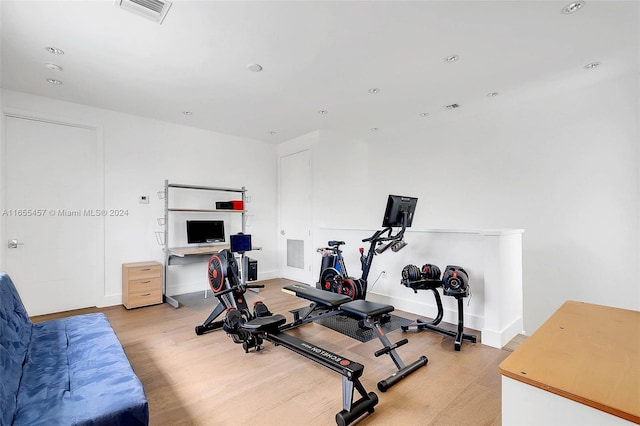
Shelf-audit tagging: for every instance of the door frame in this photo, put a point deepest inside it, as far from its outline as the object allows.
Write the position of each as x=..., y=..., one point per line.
x=100, y=298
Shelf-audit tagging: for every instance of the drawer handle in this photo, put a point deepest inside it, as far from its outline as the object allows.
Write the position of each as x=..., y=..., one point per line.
x=146, y=269
x=145, y=282
x=146, y=294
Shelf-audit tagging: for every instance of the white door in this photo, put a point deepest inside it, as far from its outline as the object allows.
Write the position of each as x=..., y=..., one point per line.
x=295, y=217
x=53, y=217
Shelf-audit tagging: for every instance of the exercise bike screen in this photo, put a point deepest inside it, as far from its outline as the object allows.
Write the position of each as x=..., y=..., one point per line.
x=397, y=205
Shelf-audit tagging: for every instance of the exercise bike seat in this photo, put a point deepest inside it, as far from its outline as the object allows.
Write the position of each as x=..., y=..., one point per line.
x=364, y=309
x=268, y=324
x=335, y=243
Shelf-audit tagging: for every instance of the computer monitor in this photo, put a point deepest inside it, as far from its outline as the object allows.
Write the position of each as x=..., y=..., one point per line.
x=240, y=243
x=399, y=207
x=205, y=231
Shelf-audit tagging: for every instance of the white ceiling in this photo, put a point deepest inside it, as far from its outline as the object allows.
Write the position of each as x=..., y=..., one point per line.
x=316, y=55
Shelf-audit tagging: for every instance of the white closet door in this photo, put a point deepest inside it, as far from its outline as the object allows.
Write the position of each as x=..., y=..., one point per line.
x=295, y=217
x=53, y=211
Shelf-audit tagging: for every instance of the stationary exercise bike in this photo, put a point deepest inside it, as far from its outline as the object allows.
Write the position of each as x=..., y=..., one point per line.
x=333, y=271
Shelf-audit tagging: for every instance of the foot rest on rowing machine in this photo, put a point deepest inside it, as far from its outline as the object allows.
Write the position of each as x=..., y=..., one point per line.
x=363, y=309
x=268, y=324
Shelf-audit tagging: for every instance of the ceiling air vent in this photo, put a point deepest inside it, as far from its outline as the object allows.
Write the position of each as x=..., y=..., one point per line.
x=154, y=10
x=452, y=106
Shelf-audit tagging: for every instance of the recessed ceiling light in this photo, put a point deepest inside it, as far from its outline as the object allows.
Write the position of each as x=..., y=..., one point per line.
x=374, y=90
x=271, y=132
x=187, y=112
x=323, y=112
x=424, y=114
x=54, y=81
x=492, y=94
x=53, y=67
x=374, y=129
x=55, y=50
x=573, y=7
x=451, y=58
x=254, y=67
x=592, y=65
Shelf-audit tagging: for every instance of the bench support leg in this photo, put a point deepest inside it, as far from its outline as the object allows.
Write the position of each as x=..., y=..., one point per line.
x=311, y=313
x=390, y=349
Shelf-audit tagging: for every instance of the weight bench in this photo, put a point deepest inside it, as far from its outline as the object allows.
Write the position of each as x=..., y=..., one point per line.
x=459, y=335
x=269, y=328
x=323, y=304
x=369, y=314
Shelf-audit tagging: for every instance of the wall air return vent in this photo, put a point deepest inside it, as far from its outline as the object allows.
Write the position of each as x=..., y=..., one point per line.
x=154, y=10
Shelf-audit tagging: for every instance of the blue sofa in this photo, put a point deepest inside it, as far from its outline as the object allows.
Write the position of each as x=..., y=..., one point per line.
x=69, y=371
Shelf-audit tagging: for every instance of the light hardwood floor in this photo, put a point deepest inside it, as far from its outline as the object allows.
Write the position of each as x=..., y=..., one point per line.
x=209, y=380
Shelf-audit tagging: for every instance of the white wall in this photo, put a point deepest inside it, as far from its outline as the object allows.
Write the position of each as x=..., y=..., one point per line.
x=139, y=154
x=561, y=164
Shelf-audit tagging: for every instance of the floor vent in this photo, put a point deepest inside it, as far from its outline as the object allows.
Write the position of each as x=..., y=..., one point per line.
x=154, y=10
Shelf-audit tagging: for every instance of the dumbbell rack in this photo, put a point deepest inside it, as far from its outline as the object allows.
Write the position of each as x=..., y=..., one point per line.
x=459, y=335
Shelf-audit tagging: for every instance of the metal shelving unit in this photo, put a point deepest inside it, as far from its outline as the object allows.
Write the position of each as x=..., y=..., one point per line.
x=187, y=255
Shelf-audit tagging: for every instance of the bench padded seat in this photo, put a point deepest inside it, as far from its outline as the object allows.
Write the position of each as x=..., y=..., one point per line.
x=322, y=297
x=363, y=309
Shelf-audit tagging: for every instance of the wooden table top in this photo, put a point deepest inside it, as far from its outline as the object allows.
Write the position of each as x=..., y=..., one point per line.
x=188, y=251
x=587, y=353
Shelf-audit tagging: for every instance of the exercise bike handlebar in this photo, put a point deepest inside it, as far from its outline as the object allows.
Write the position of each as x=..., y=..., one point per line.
x=377, y=236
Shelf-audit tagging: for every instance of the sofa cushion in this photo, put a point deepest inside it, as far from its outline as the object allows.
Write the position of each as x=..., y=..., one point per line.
x=76, y=372
x=15, y=334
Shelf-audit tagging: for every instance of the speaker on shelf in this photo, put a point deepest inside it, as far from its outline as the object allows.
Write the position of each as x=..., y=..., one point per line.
x=224, y=205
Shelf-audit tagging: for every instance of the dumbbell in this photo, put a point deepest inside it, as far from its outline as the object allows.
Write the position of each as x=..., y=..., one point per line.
x=455, y=281
x=412, y=273
x=430, y=272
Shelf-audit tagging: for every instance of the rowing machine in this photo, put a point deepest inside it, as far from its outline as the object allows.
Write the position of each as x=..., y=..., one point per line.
x=251, y=327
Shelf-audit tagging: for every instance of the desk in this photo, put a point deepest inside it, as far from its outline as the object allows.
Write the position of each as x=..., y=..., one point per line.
x=582, y=366
x=187, y=255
